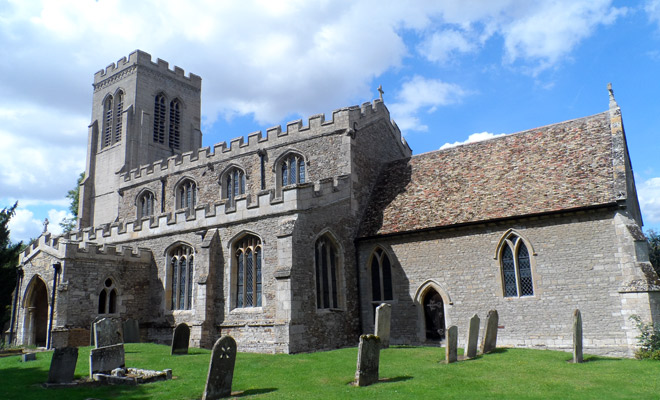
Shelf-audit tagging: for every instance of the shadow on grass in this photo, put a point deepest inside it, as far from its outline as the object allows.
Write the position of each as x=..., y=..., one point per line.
x=253, y=392
x=395, y=379
x=498, y=350
x=591, y=359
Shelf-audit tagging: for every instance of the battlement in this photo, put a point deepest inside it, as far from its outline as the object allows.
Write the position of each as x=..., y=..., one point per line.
x=347, y=120
x=141, y=58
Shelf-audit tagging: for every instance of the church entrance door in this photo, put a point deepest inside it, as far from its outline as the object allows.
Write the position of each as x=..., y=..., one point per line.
x=37, y=314
x=434, y=315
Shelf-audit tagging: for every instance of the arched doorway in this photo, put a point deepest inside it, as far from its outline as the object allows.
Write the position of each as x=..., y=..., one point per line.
x=434, y=315
x=36, y=326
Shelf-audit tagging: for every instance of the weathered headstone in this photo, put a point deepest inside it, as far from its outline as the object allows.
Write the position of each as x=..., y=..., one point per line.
x=473, y=337
x=105, y=359
x=451, y=348
x=131, y=331
x=577, y=337
x=221, y=369
x=28, y=357
x=383, y=319
x=368, y=360
x=107, y=332
x=489, y=341
x=63, y=365
x=181, y=339
x=91, y=330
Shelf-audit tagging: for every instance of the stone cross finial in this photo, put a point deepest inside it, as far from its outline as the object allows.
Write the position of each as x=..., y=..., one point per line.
x=613, y=103
x=380, y=91
x=46, y=225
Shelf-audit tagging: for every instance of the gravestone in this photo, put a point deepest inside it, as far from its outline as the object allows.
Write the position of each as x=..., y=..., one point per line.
x=107, y=332
x=383, y=319
x=131, y=331
x=489, y=341
x=473, y=337
x=368, y=359
x=105, y=359
x=221, y=369
x=451, y=348
x=91, y=330
x=63, y=365
x=577, y=337
x=28, y=357
x=180, y=339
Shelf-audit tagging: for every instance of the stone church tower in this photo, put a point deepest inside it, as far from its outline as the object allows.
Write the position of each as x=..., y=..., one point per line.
x=141, y=112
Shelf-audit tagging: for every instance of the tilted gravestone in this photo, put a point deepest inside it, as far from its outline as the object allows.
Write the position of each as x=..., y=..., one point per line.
x=181, y=339
x=107, y=332
x=383, y=319
x=63, y=365
x=368, y=360
x=221, y=369
x=489, y=341
x=473, y=337
x=451, y=349
x=577, y=337
x=91, y=330
x=105, y=359
x=131, y=331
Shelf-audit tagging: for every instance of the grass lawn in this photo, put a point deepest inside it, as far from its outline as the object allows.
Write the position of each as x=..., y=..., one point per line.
x=406, y=372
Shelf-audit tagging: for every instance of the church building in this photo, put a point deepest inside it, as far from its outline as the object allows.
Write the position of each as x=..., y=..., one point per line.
x=288, y=240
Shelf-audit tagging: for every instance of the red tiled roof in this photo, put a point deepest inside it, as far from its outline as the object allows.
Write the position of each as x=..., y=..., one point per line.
x=557, y=167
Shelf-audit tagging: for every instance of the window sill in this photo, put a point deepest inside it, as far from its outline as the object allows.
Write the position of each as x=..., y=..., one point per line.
x=246, y=310
x=329, y=310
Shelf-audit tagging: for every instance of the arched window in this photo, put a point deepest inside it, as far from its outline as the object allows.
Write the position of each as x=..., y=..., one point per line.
x=182, y=265
x=247, y=261
x=175, y=124
x=145, y=204
x=108, y=298
x=119, y=109
x=107, y=122
x=327, y=273
x=159, y=119
x=516, y=267
x=292, y=169
x=381, y=277
x=234, y=183
x=186, y=195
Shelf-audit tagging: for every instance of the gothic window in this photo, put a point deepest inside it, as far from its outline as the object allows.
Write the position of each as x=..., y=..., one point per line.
x=182, y=265
x=175, y=124
x=327, y=273
x=145, y=204
x=186, y=195
x=381, y=277
x=516, y=267
x=119, y=109
x=292, y=169
x=234, y=184
x=247, y=261
x=107, y=122
x=159, y=119
x=108, y=298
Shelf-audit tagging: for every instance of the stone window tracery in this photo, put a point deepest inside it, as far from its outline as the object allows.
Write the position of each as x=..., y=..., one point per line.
x=182, y=265
x=159, y=118
x=247, y=260
x=234, y=184
x=108, y=298
x=292, y=169
x=145, y=204
x=108, y=110
x=186, y=195
x=327, y=268
x=516, y=268
x=381, y=277
x=175, y=124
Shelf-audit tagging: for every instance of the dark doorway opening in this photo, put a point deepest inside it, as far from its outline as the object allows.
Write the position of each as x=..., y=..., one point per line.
x=434, y=315
x=38, y=313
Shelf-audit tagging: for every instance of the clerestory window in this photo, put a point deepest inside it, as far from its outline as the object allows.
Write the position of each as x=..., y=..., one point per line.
x=247, y=263
x=292, y=170
x=159, y=118
x=186, y=195
x=145, y=204
x=182, y=265
x=234, y=184
x=327, y=273
x=108, y=298
x=516, y=267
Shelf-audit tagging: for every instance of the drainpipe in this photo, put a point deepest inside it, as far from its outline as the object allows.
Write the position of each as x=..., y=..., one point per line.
x=19, y=278
x=57, y=267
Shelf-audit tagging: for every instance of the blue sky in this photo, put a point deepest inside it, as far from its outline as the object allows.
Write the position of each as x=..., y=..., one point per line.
x=449, y=71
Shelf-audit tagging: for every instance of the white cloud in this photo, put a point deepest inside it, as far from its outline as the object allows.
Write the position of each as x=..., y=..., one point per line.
x=24, y=226
x=475, y=137
x=652, y=8
x=648, y=193
x=441, y=45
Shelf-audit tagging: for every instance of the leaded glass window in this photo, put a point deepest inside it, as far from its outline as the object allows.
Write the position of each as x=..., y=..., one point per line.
x=145, y=204
x=248, y=261
x=381, y=276
x=293, y=170
x=159, y=119
x=516, y=268
x=327, y=270
x=182, y=265
x=234, y=184
x=186, y=195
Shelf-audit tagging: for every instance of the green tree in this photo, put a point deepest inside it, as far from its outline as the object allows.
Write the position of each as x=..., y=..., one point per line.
x=8, y=264
x=69, y=224
x=654, y=249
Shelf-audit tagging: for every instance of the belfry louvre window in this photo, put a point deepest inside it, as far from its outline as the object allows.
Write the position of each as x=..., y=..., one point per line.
x=186, y=195
x=108, y=298
x=327, y=269
x=119, y=109
x=145, y=204
x=175, y=124
x=182, y=265
x=247, y=261
x=159, y=119
x=235, y=183
x=381, y=276
x=516, y=268
x=107, y=121
x=293, y=170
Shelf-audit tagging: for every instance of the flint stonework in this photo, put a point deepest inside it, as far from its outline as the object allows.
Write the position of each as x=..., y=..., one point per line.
x=489, y=341
x=131, y=331
x=577, y=337
x=105, y=359
x=368, y=360
x=221, y=369
x=473, y=337
x=63, y=365
x=181, y=339
x=383, y=321
x=107, y=332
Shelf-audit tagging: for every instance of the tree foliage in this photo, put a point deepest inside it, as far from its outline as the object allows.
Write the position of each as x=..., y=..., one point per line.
x=69, y=224
x=654, y=249
x=8, y=264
